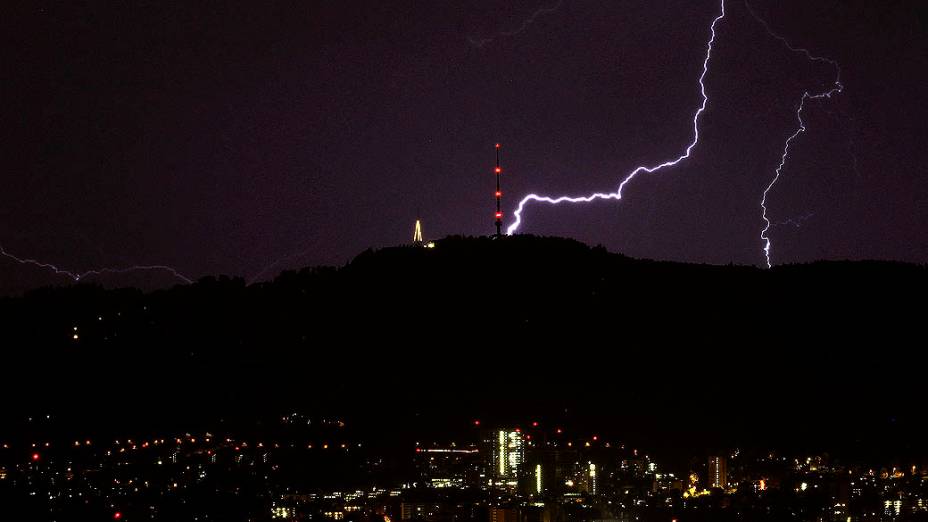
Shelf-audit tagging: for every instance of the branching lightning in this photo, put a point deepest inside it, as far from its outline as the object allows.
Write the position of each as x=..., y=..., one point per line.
x=480, y=42
x=618, y=194
x=806, y=96
x=80, y=276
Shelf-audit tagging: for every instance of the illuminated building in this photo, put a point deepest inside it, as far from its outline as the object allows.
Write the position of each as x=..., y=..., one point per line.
x=538, y=479
x=591, y=479
x=447, y=467
x=546, y=468
x=718, y=473
x=892, y=508
x=498, y=514
x=507, y=456
x=282, y=512
x=413, y=510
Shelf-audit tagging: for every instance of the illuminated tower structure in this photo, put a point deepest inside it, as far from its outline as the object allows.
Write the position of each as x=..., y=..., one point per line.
x=718, y=472
x=499, y=196
x=417, y=234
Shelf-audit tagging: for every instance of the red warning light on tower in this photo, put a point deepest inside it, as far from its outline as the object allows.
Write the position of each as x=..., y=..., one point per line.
x=499, y=194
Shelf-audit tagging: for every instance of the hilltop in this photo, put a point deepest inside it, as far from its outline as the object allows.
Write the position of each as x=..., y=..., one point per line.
x=534, y=319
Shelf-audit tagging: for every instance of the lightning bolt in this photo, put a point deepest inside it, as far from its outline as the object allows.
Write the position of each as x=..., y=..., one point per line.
x=480, y=42
x=79, y=276
x=806, y=96
x=650, y=170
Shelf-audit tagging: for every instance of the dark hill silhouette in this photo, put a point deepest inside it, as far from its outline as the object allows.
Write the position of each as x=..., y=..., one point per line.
x=452, y=329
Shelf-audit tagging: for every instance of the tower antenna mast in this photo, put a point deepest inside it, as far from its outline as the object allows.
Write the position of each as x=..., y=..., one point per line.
x=499, y=196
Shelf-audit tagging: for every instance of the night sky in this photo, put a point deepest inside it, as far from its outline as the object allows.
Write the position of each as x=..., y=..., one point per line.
x=220, y=137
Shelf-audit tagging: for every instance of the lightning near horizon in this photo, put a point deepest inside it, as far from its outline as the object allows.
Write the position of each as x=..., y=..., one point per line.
x=617, y=195
x=79, y=276
x=806, y=96
x=643, y=168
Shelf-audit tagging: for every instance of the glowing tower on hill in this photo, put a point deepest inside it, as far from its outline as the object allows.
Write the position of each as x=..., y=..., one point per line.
x=417, y=234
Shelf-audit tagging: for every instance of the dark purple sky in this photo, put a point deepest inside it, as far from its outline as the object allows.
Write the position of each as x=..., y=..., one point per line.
x=218, y=137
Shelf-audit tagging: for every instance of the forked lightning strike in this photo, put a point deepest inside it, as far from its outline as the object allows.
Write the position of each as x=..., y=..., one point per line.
x=618, y=194
x=806, y=96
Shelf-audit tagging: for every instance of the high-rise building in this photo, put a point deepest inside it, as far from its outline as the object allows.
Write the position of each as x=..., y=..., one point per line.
x=507, y=456
x=591, y=479
x=718, y=472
